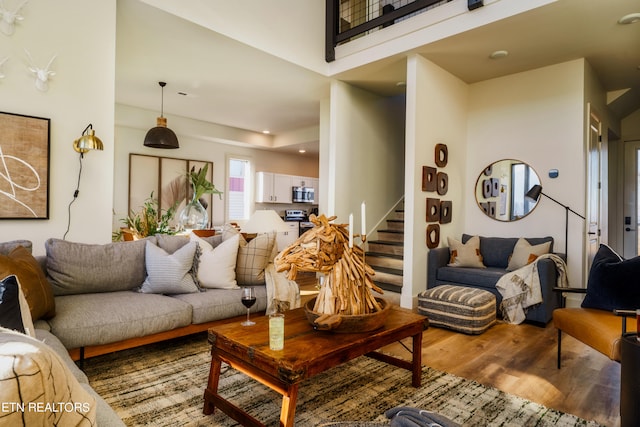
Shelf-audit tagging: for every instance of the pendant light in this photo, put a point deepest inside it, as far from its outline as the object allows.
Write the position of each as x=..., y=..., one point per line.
x=161, y=136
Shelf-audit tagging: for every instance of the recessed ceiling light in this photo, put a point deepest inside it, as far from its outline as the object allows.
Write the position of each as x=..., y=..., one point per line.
x=498, y=54
x=302, y=151
x=266, y=131
x=401, y=84
x=629, y=19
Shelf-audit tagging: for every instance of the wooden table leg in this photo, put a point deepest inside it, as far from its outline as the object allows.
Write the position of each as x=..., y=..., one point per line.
x=416, y=379
x=287, y=413
x=212, y=385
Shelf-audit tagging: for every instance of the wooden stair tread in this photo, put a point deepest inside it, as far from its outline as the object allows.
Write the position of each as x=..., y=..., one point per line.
x=387, y=270
x=388, y=287
x=385, y=242
x=383, y=255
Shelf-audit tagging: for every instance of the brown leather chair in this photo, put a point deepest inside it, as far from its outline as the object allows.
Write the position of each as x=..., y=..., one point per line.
x=599, y=329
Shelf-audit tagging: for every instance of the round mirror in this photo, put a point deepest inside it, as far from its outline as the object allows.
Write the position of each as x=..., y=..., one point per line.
x=501, y=188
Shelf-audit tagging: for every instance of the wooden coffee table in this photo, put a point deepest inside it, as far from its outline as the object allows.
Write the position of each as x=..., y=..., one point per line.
x=306, y=353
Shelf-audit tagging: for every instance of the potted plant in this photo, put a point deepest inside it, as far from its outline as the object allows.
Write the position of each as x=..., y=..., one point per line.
x=149, y=221
x=194, y=215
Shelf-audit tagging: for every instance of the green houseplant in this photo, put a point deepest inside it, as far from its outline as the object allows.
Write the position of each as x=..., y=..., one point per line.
x=148, y=221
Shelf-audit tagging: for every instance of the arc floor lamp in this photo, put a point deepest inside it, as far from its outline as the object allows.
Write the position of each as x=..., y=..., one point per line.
x=534, y=194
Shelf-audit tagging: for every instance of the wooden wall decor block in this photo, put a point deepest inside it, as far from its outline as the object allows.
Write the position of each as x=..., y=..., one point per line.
x=486, y=188
x=433, y=210
x=433, y=236
x=495, y=187
x=442, y=155
x=429, y=178
x=443, y=183
x=446, y=207
x=492, y=209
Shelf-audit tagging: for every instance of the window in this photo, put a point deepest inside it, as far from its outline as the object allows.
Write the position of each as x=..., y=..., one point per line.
x=523, y=178
x=238, y=189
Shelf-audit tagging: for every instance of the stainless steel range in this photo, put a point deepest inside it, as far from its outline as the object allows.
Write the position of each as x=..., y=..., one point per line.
x=295, y=215
x=300, y=216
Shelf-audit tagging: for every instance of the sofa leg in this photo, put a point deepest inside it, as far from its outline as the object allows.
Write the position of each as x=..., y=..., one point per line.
x=82, y=358
x=559, y=346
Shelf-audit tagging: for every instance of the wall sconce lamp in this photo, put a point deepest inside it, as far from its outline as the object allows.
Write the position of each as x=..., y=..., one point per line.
x=534, y=194
x=161, y=136
x=87, y=141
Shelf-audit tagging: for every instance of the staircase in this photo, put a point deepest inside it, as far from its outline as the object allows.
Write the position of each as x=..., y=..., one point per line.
x=384, y=255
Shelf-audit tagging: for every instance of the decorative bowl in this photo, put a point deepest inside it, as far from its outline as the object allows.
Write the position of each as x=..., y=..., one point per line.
x=347, y=323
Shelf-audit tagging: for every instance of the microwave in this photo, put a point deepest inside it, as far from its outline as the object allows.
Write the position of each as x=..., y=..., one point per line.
x=302, y=195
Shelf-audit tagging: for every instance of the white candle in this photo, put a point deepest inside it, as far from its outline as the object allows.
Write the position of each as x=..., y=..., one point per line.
x=364, y=221
x=351, y=230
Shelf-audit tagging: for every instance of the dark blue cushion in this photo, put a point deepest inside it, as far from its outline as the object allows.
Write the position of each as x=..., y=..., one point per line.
x=614, y=283
x=10, y=314
x=480, y=277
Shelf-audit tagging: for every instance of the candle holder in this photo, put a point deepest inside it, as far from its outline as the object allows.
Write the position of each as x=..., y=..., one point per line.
x=363, y=238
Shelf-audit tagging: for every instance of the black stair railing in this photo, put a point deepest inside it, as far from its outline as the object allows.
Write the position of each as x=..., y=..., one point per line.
x=390, y=13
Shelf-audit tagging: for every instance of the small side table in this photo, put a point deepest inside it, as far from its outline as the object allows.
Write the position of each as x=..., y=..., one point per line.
x=630, y=380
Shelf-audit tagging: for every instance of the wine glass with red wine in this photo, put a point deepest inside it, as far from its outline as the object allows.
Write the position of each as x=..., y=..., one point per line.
x=248, y=299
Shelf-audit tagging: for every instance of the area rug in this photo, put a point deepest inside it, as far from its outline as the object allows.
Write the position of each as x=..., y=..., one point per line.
x=163, y=384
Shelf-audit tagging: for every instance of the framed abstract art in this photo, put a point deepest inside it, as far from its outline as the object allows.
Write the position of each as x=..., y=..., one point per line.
x=24, y=166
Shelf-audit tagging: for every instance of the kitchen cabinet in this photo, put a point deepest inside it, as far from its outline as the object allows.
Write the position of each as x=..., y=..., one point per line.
x=285, y=238
x=301, y=181
x=277, y=187
x=273, y=188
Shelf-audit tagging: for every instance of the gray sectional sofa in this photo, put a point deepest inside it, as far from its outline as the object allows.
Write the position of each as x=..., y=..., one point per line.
x=496, y=253
x=106, y=299
x=101, y=307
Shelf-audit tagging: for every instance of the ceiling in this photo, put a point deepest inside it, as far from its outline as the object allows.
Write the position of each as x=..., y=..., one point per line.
x=227, y=82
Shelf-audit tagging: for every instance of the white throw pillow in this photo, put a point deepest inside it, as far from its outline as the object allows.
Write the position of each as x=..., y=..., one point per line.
x=217, y=266
x=37, y=388
x=465, y=254
x=524, y=253
x=169, y=273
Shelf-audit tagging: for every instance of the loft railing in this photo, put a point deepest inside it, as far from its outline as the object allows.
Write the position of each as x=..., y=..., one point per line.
x=348, y=19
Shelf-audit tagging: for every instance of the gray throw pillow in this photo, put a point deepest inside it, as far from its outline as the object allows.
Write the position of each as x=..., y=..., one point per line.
x=171, y=243
x=7, y=247
x=80, y=268
x=169, y=273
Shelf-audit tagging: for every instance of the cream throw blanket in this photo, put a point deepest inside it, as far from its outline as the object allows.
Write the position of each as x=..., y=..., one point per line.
x=282, y=294
x=520, y=289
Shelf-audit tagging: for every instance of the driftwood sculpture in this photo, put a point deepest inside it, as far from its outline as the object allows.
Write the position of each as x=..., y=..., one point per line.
x=346, y=288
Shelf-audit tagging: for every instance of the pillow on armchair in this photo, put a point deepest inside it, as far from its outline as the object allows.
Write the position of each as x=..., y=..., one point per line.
x=613, y=281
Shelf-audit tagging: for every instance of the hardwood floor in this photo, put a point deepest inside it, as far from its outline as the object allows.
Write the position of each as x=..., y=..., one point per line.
x=521, y=360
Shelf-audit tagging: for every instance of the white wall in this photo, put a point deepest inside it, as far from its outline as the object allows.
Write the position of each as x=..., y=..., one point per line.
x=537, y=117
x=82, y=34
x=201, y=141
x=289, y=29
x=366, y=153
x=436, y=113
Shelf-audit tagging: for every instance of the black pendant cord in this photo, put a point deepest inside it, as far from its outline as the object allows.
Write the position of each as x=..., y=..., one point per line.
x=75, y=196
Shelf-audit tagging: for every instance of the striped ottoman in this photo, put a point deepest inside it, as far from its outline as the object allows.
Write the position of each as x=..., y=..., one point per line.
x=462, y=309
